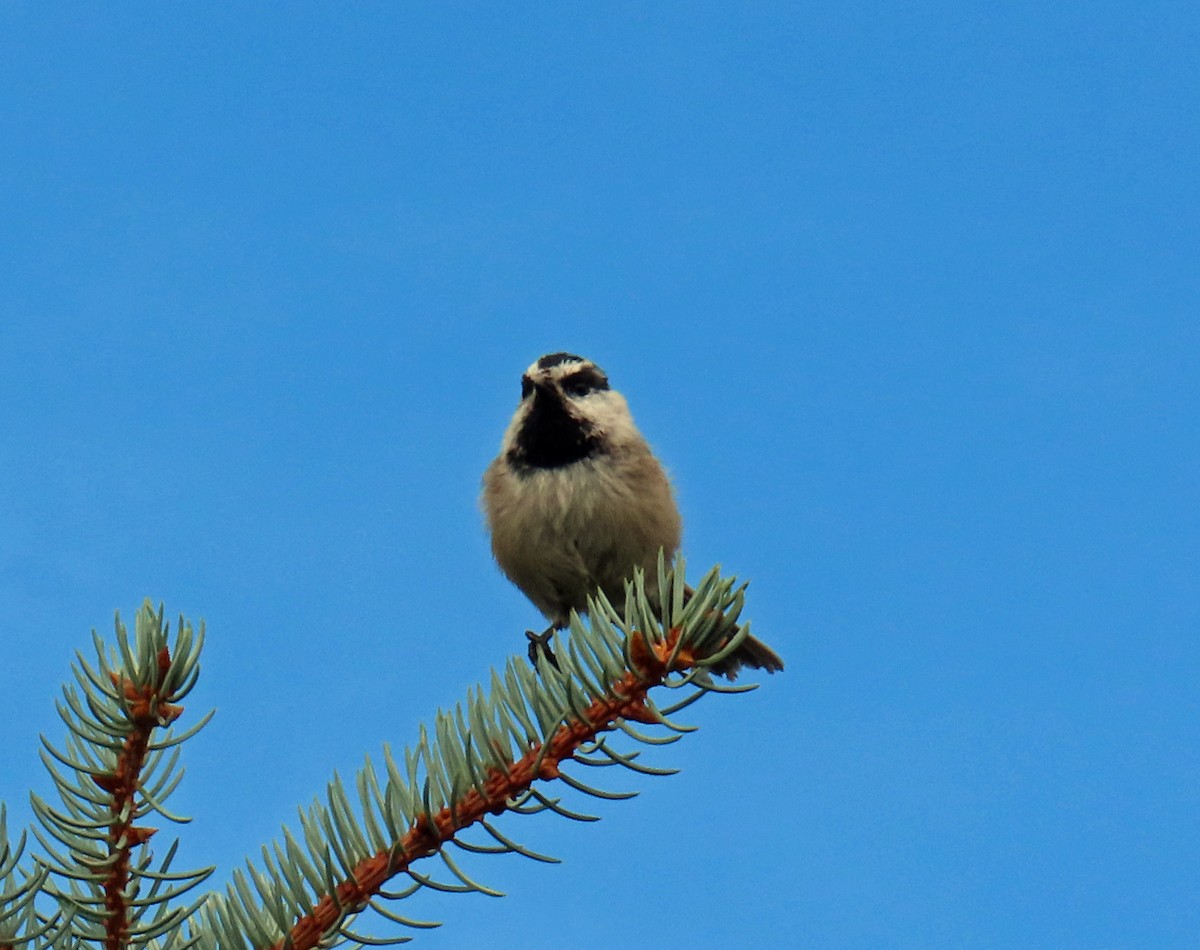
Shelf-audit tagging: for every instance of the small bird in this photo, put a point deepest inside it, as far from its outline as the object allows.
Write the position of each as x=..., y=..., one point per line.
x=576, y=499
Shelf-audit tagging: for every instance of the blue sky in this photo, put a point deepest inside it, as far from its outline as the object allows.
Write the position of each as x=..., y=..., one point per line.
x=905, y=296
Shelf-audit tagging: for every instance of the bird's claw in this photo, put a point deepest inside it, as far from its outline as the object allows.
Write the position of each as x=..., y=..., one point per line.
x=540, y=643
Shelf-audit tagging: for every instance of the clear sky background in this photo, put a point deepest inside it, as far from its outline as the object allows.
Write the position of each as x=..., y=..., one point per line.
x=906, y=296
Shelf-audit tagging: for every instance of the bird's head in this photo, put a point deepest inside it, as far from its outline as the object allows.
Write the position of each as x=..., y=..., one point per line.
x=568, y=413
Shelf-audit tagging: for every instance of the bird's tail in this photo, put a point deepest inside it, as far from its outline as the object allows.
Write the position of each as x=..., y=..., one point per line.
x=752, y=653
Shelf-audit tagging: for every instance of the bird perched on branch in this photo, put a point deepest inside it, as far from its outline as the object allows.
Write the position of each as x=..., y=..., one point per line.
x=576, y=499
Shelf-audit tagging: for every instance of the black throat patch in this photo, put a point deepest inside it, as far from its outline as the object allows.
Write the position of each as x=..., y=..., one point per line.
x=550, y=437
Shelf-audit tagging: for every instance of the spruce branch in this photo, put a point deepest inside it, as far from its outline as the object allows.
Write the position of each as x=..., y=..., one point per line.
x=17, y=913
x=118, y=766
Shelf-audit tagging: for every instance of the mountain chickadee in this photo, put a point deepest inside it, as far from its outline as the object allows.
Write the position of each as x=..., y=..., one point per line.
x=576, y=499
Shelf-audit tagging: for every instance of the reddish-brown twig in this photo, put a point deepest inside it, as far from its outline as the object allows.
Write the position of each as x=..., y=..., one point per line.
x=146, y=713
x=626, y=699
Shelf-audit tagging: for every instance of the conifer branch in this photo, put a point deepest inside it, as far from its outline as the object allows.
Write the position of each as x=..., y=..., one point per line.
x=626, y=700
x=118, y=767
x=17, y=913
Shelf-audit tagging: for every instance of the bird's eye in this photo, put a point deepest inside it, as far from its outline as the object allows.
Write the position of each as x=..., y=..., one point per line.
x=577, y=387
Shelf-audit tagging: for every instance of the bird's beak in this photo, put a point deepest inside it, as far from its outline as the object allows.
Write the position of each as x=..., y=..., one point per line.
x=548, y=400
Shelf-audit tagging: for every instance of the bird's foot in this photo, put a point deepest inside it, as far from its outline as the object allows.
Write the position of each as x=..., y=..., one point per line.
x=540, y=643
